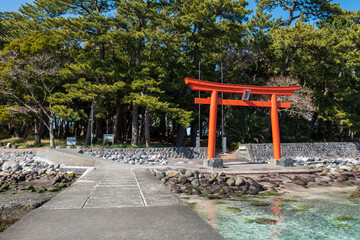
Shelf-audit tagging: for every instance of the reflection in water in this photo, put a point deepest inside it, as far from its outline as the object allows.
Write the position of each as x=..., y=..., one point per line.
x=212, y=210
x=315, y=223
x=277, y=228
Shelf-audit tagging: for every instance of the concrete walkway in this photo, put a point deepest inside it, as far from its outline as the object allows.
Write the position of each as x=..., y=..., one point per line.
x=112, y=201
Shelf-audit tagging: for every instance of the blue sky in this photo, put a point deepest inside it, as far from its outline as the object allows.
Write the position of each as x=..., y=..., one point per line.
x=13, y=5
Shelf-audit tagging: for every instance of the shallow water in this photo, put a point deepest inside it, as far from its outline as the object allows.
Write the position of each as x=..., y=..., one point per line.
x=317, y=222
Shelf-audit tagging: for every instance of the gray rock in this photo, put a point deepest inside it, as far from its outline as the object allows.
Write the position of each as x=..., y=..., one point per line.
x=230, y=182
x=346, y=168
x=216, y=163
x=286, y=162
x=195, y=182
x=16, y=168
x=9, y=164
x=239, y=181
x=189, y=173
x=172, y=173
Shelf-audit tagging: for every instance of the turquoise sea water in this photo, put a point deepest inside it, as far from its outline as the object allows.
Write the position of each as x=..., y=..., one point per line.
x=310, y=217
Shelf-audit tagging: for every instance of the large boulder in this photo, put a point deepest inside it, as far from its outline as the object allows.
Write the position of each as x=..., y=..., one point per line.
x=230, y=182
x=213, y=178
x=195, y=182
x=189, y=173
x=346, y=168
x=172, y=173
x=182, y=179
x=239, y=181
x=9, y=164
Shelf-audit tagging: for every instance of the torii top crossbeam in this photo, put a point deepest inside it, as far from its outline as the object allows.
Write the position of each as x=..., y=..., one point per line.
x=214, y=88
x=206, y=86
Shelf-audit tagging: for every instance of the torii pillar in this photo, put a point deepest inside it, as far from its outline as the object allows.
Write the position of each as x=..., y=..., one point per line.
x=214, y=101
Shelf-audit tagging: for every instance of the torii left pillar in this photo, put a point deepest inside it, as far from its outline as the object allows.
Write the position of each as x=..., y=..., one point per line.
x=212, y=125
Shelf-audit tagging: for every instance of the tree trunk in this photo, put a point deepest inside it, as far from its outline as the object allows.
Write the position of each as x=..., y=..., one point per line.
x=61, y=129
x=147, y=127
x=17, y=131
x=51, y=132
x=135, y=126
x=311, y=126
x=180, y=136
x=99, y=127
x=117, y=124
x=26, y=128
x=162, y=128
x=89, y=126
x=141, y=129
x=56, y=129
x=193, y=132
x=123, y=124
x=67, y=129
x=37, y=132
x=269, y=132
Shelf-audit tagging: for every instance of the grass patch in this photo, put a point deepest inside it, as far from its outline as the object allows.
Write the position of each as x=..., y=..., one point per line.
x=248, y=220
x=233, y=209
x=270, y=193
x=28, y=142
x=285, y=200
x=192, y=204
x=344, y=218
x=259, y=204
x=342, y=225
x=303, y=207
x=264, y=221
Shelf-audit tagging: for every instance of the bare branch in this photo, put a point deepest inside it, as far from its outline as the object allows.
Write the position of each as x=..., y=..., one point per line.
x=301, y=101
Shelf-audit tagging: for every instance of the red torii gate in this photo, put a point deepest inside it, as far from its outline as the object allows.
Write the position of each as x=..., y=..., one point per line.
x=214, y=88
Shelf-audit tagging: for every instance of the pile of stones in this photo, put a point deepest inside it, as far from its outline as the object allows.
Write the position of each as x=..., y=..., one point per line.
x=319, y=162
x=342, y=173
x=209, y=185
x=145, y=156
x=324, y=162
x=330, y=175
x=24, y=168
x=23, y=162
x=128, y=156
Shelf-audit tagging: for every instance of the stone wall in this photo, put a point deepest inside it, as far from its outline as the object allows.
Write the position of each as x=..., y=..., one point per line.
x=327, y=150
x=149, y=156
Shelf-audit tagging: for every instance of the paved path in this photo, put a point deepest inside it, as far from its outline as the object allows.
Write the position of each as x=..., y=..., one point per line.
x=112, y=201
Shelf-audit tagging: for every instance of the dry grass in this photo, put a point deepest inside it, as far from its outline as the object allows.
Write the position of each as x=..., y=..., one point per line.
x=11, y=214
x=29, y=142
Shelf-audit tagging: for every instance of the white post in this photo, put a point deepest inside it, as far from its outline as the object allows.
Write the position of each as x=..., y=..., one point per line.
x=224, y=144
x=197, y=141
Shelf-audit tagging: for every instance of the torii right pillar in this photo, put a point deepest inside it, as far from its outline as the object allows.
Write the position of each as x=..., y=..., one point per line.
x=275, y=128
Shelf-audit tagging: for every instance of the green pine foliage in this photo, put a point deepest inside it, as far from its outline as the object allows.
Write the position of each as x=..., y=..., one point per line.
x=125, y=62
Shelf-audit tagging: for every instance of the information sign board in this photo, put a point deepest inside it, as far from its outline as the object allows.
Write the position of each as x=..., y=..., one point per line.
x=71, y=141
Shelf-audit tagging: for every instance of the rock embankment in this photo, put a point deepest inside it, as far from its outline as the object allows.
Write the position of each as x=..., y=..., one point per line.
x=145, y=156
x=209, y=185
x=26, y=182
x=323, y=150
x=222, y=185
x=24, y=171
x=331, y=175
